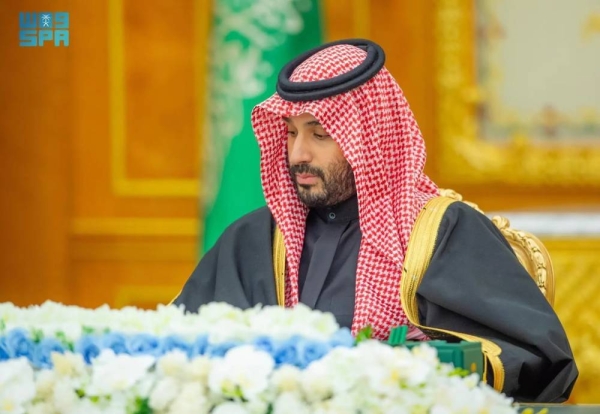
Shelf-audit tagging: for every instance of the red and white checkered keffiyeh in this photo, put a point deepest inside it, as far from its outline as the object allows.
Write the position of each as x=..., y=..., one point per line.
x=378, y=135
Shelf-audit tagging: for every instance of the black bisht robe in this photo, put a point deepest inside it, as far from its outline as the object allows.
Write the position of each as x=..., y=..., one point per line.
x=474, y=284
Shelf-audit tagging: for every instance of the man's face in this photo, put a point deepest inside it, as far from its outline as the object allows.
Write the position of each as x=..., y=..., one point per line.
x=320, y=172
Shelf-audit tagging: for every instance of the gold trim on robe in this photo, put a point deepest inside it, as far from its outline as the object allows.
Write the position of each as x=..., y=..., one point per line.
x=418, y=255
x=279, y=265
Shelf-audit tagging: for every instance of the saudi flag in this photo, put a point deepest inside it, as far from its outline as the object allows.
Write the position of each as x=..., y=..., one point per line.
x=250, y=42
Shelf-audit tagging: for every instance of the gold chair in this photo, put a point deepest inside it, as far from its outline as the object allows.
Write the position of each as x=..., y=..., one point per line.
x=530, y=251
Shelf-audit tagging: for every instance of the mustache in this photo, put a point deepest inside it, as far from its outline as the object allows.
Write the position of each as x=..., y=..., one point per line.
x=306, y=169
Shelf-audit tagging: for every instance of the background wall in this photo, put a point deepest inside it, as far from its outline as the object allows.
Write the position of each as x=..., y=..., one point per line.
x=100, y=155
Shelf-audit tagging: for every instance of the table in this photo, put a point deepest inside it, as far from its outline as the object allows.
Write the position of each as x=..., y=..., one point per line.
x=563, y=408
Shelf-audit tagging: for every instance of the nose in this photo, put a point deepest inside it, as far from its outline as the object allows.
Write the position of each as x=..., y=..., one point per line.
x=299, y=149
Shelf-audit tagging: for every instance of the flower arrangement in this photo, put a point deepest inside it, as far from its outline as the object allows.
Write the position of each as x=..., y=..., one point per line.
x=223, y=360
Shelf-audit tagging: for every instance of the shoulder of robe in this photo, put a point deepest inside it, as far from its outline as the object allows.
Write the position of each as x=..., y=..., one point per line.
x=255, y=221
x=461, y=214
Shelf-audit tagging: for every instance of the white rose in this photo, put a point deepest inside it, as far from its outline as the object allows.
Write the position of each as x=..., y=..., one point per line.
x=163, y=393
x=243, y=370
x=68, y=364
x=45, y=383
x=311, y=323
x=415, y=372
x=228, y=330
x=440, y=409
x=343, y=366
x=426, y=353
x=112, y=373
x=498, y=403
x=72, y=330
x=270, y=321
x=118, y=403
x=388, y=406
x=64, y=396
x=173, y=364
x=457, y=396
x=42, y=408
x=230, y=408
x=219, y=311
x=290, y=402
x=286, y=379
x=199, y=369
x=316, y=382
x=257, y=406
x=8, y=311
x=191, y=399
x=85, y=406
x=17, y=385
x=339, y=404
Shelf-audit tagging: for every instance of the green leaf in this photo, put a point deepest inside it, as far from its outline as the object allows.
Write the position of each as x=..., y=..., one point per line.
x=459, y=372
x=37, y=335
x=60, y=335
x=364, y=334
x=86, y=330
x=2, y=325
x=142, y=406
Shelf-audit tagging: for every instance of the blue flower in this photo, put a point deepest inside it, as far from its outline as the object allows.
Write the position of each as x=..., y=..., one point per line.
x=18, y=344
x=89, y=347
x=143, y=344
x=114, y=341
x=343, y=338
x=264, y=343
x=199, y=346
x=172, y=342
x=42, y=354
x=4, y=355
x=310, y=350
x=286, y=352
x=219, y=350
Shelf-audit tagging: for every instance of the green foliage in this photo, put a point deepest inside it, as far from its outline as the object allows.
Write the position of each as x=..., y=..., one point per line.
x=60, y=335
x=86, y=330
x=460, y=372
x=364, y=334
x=37, y=335
x=142, y=406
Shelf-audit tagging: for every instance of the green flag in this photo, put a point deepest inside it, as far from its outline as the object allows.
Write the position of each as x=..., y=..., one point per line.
x=251, y=40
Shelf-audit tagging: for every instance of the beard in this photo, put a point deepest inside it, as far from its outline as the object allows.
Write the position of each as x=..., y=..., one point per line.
x=337, y=184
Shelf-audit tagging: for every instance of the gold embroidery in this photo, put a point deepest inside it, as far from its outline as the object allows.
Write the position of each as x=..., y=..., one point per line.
x=279, y=266
x=418, y=255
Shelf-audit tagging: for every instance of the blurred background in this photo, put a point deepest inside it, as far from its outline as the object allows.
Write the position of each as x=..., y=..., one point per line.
x=125, y=153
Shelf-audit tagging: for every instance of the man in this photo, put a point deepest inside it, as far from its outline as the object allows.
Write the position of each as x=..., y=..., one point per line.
x=342, y=171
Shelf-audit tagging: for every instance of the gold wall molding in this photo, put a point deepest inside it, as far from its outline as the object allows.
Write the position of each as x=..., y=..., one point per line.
x=577, y=275
x=121, y=184
x=463, y=156
x=151, y=296
x=134, y=226
x=361, y=16
x=166, y=250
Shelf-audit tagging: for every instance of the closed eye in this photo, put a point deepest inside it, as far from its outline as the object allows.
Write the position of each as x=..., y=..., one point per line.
x=320, y=136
